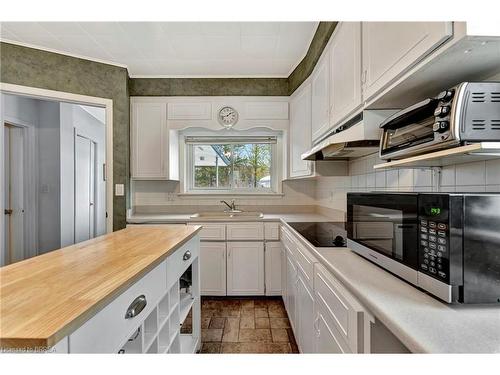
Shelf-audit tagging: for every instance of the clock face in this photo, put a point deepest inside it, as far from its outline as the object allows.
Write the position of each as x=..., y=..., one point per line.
x=228, y=117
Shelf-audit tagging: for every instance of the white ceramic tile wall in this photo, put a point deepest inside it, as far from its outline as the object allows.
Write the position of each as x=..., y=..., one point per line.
x=331, y=192
x=482, y=176
x=152, y=193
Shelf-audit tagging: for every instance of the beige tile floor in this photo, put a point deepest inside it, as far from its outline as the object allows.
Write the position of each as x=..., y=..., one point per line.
x=245, y=325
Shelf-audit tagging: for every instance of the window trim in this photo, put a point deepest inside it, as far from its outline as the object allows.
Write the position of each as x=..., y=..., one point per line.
x=277, y=160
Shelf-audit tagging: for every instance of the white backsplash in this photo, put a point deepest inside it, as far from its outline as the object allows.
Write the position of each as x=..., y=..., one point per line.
x=481, y=176
x=161, y=193
x=331, y=192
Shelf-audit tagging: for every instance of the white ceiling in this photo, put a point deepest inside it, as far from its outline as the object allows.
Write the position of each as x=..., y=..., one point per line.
x=176, y=49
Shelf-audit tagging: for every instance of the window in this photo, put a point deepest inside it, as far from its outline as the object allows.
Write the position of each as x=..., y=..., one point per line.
x=225, y=164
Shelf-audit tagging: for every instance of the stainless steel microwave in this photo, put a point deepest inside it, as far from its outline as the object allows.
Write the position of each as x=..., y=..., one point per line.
x=445, y=244
x=466, y=113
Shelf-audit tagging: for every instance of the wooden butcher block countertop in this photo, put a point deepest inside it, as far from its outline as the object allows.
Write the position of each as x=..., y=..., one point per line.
x=45, y=298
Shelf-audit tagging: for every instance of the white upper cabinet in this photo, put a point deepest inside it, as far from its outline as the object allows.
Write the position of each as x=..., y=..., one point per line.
x=391, y=48
x=320, y=107
x=190, y=111
x=300, y=131
x=149, y=138
x=345, y=71
x=266, y=111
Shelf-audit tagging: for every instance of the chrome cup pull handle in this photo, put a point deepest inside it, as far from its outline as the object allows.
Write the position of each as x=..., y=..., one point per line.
x=136, y=307
x=187, y=255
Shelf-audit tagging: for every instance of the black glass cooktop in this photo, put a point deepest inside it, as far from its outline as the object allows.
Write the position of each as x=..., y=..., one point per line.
x=323, y=234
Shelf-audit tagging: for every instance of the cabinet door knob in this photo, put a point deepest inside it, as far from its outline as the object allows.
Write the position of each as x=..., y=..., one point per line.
x=187, y=255
x=136, y=307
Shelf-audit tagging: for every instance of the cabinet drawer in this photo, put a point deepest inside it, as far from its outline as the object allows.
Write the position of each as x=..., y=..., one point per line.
x=287, y=238
x=305, y=262
x=272, y=231
x=212, y=232
x=108, y=330
x=245, y=231
x=345, y=311
x=181, y=259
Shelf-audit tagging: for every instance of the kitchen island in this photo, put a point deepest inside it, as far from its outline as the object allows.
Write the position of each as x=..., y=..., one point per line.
x=96, y=295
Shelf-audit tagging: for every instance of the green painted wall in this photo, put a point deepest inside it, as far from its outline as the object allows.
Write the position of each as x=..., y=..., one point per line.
x=31, y=67
x=306, y=66
x=208, y=86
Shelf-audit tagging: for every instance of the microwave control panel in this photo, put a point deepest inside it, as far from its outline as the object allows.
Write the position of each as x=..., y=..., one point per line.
x=434, y=238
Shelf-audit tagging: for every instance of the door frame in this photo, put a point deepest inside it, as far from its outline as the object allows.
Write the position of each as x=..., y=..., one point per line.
x=62, y=96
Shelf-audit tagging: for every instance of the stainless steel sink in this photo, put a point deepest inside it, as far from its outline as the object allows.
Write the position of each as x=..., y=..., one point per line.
x=228, y=215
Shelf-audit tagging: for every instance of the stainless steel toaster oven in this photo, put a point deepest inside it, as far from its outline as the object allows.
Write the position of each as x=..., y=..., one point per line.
x=466, y=113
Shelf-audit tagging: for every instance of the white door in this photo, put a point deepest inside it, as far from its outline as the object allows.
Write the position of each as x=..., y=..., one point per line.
x=245, y=268
x=300, y=131
x=320, y=83
x=391, y=48
x=273, y=268
x=291, y=291
x=85, y=187
x=345, y=71
x=305, y=317
x=14, y=170
x=213, y=268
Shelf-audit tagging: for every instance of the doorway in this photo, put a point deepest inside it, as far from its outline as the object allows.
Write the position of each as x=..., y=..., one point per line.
x=55, y=170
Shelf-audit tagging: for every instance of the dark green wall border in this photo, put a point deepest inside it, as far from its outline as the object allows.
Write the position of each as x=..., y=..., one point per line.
x=208, y=86
x=238, y=86
x=306, y=66
x=36, y=68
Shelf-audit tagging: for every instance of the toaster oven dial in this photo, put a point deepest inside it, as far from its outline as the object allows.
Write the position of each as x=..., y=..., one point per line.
x=445, y=95
x=442, y=111
x=441, y=126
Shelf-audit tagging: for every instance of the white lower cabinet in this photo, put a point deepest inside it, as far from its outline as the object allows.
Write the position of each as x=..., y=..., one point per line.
x=213, y=268
x=351, y=322
x=327, y=339
x=273, y=268
x=305, y=316
x=324, y=315
x=283, y=271
x=291, y=289
x=241, y=258
x=245, y=268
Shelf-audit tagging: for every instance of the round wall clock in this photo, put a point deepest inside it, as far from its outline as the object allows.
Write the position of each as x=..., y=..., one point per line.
x=228, y=117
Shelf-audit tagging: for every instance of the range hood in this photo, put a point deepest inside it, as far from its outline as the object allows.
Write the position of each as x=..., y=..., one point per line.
x=359, y=136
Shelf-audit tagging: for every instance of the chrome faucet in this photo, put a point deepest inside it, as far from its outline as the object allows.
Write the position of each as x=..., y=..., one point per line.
x=232, y=206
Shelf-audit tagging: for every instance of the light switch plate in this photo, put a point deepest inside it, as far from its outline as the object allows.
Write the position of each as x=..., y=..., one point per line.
x=119, y=190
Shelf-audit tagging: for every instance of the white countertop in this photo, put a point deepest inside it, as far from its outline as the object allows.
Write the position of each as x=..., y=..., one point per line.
x=421, y=322
x=184, y=218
